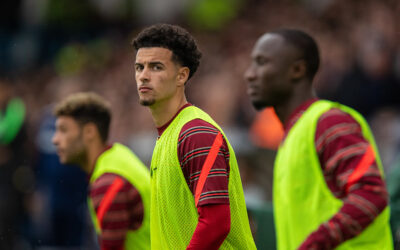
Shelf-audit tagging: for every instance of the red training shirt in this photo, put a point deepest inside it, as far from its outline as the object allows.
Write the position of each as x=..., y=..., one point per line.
x=194, y=143
x=340, y=147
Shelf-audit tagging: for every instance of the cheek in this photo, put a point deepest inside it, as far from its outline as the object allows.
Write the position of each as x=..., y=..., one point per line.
x=271, y=85
x=165, y=84
x=266, y=79
x=61, y=139
x=71, y=140
x=271, y=76
x=75, y=147
x=136, y=78
x=67, y=144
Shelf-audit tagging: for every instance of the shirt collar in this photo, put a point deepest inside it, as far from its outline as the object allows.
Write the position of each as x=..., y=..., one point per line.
x=297, y=113
x=161, y=129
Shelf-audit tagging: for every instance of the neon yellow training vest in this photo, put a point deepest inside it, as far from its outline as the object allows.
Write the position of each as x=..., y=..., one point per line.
x=122, y=161
x=302, y=199
x=173, y=215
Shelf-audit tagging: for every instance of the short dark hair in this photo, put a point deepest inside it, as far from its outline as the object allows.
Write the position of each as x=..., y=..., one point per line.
x=305, y=44
x=172, y=37
x=87, y=107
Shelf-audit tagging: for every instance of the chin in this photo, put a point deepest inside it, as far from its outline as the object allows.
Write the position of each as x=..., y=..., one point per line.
x=63, y=161
x=70, y=162
x=258, y=105
x=147, y=102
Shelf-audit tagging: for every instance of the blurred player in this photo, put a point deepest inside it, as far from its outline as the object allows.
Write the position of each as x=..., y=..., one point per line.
x=197, y=198
x=119, y=181
x=328, y=180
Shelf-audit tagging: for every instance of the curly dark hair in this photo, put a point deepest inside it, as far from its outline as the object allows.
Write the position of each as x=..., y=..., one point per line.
x=87, y=107
x=172, y=37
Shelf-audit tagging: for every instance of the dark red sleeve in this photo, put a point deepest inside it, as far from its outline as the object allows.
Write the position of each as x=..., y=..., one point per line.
x=341, y=148
x=195, y=141
x=194, y=144
x=213, y=227
x=119, y=208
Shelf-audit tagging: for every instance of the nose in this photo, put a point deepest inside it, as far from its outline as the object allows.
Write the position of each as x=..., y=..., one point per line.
x=250, y=74
x=143, y=76
x=54, y=139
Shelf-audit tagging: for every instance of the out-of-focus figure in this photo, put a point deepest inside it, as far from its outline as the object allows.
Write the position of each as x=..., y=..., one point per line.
x=16, y=176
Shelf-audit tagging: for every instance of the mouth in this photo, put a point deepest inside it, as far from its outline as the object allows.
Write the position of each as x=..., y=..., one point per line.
x=144, y=89
x=59, y=152
x=251, y=90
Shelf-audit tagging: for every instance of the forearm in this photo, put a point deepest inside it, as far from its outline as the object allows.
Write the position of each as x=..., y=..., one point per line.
x=351, y=173
x=213, y=227
x=119, y=208
x=359, y=210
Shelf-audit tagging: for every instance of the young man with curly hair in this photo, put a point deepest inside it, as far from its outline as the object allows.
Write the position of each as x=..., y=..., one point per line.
x=197, y=198
x=328, y=191
x=119, y=190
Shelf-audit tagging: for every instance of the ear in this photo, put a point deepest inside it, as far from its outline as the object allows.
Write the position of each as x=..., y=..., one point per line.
x=298, y=70
x=89, y=132
x=183, y=75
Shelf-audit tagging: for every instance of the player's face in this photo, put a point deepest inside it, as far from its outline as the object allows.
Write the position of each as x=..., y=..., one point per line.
x=69, y=141
x=156, y=75
x=267, y=76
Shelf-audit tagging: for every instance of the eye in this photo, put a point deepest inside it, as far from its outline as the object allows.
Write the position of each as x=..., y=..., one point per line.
x=62, y=129
x=157, y=67
x=261, y=60
x=138, y=67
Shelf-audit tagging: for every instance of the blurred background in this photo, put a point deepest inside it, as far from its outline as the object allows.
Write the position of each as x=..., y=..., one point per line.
x=51, y=48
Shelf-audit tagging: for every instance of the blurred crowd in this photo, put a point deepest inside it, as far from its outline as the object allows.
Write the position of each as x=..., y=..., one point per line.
x=51, y=48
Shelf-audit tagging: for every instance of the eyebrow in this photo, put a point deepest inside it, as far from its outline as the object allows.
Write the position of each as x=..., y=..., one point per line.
x=150, y=63
x=58, y=126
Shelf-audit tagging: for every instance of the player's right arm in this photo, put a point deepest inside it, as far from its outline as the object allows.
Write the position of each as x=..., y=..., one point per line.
x=351, y=173
x=118, y=207
x=195, y=142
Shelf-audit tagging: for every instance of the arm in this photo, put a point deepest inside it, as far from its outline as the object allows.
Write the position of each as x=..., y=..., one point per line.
x=213, y=227
x=119, y=208
x=351, y=173
x=195, y=141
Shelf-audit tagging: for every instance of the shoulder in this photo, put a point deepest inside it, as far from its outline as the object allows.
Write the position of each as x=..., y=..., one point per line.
x=336, y=128
x=335, y=117
x=197, y=127
x=110, y=181
x=198, y=136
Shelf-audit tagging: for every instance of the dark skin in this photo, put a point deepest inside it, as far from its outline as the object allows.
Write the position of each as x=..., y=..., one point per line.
x=277, y=76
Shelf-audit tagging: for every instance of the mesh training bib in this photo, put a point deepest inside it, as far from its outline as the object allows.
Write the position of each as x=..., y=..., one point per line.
x=173, y=213
x=121, y=161
x=302, y=200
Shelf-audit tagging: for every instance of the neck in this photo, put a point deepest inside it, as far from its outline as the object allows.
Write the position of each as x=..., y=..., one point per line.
x=164, y=111
x=93, y=153
x=301, y=93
